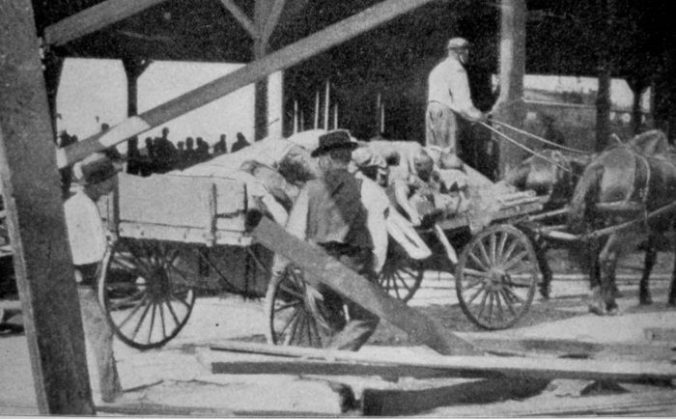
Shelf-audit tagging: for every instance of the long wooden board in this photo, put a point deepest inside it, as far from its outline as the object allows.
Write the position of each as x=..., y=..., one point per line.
x=473, y=366
x=322, y=268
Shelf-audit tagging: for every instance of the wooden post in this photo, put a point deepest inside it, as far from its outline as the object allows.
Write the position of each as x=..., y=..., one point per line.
x=327, y=104
x=42, y=258
x=605, y=71
x=510, y=107
x=316, y=120
x=53, y=67
x=133, y=68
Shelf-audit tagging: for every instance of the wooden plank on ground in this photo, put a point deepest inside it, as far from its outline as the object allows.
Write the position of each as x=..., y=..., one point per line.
x=278, y=60
x=569, y=348
x=480, y=366
x=35, y=217
x=653, y=403
x=322, y=268
x=94, y=18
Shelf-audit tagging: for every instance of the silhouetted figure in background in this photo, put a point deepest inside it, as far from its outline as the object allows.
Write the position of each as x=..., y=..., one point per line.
x=149, y=158
x=180, y=155
x=202, y=150
x=134, y=160
x=240, y=143
x=220, y=147
x=165, y=152
x=190, y=153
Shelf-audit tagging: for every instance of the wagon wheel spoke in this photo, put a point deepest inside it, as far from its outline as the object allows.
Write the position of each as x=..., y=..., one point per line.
x=474, y=272
x=140, y=321
x=498, y=303
x=493, y=248
x=501, y=248
x=479, y=263
x=517, y=259
x=162, y=320
x=476, y=294
x=491, y=296
x=152, y=323
x=508, y=253
x=482, y=305
x=403, y=281
x=134, y=310
x=289, y=291
x=484, y=253
x=514, y=296
x=508, y=301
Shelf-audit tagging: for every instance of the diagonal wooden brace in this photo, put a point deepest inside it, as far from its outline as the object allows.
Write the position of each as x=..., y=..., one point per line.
x=328, y=271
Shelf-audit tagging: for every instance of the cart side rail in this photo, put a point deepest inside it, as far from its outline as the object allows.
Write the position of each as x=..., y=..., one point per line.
x=190, y=209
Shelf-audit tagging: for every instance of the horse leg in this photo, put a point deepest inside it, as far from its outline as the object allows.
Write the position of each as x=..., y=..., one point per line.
x=672, y=287
x=644, y=288
x=604, y=294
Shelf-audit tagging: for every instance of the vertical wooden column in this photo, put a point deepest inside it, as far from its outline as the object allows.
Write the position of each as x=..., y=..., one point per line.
x=53, y=67
x=510, y=107
x=606, y=14
x=262, y=11
x=42, y=258
x=133, y=68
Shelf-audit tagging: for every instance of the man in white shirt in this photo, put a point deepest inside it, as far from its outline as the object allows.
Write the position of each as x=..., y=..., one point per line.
x=95, y=177
x=449, y=98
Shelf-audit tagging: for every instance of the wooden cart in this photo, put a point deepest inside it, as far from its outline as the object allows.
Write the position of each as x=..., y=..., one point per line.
x=497, y=271
x=171, y=238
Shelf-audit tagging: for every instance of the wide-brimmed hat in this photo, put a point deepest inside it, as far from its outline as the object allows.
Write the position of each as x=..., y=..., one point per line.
x=334, y=140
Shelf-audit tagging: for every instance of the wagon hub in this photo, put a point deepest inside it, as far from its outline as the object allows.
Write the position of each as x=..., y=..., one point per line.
x=496, y=279
x=159, y=286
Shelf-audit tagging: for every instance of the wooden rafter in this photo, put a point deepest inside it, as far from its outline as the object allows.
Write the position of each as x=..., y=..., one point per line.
x=94, y=18
x=273, y=20
x=278, y=60
x=241, y=17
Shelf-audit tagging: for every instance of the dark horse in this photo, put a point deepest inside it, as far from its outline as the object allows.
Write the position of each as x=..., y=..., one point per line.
x=623, y=183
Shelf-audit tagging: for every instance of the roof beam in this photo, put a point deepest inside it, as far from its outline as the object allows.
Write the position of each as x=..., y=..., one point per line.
x=94, y=18
x=272, y=21
x=286, y=57
x=241, y=17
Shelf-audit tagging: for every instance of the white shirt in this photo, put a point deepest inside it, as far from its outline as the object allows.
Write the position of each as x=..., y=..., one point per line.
x=448, y=85
x=86, y=234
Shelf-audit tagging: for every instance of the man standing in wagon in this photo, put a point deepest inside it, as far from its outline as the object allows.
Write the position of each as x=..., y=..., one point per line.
x=449, y=99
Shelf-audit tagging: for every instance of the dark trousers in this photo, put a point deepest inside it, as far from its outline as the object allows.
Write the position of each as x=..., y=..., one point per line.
x=352, y=334
x=98, y=335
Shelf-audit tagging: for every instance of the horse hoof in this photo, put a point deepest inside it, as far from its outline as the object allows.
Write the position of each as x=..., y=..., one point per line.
x=595, y=309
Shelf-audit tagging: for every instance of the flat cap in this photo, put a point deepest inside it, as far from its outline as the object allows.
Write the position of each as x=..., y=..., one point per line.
x=457, y=43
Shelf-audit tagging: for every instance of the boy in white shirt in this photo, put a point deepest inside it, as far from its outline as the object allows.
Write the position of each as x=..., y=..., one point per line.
x=95, y=177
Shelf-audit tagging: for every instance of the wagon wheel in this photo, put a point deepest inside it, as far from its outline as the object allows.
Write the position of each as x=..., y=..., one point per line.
x=147, y=297
x=496, y=277
x=401, y=275
x=293, y=317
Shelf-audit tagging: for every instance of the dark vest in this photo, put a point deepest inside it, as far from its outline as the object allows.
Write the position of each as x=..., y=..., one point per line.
x=336, y=213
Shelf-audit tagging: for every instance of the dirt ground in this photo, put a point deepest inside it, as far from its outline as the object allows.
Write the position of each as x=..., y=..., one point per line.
x=177, y=379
